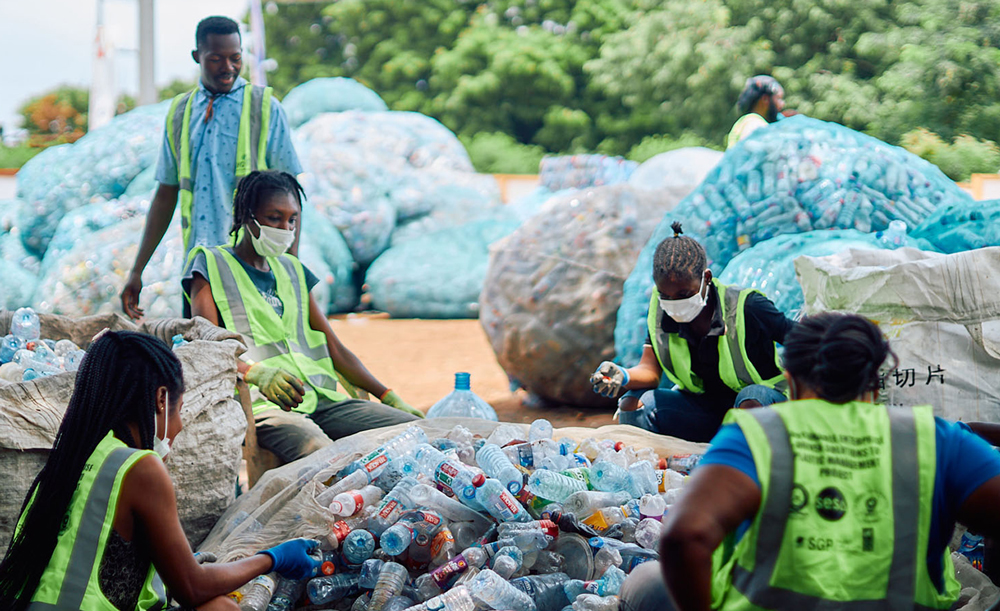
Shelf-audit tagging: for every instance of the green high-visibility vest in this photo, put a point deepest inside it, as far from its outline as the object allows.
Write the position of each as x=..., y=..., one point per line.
x=736, y=369
x=845, y=512
x=287, y=342
x=744, y=127
x=70, y=581
x=251, y=144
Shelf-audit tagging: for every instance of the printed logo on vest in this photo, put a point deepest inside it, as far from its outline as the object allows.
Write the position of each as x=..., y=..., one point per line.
x=799, y=500
x=871, y=507
x=831, y=504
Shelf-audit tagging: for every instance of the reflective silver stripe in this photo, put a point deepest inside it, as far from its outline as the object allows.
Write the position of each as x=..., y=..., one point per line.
x=905, y=509
x=319, y=352
x=662, y=340
x=88, y=535
x=321, y=380
x=732, y=300
x=186, y=184
x=755, y=586
x=161, y=593
x=256, y=103
x=178, y=125
x=237, y=310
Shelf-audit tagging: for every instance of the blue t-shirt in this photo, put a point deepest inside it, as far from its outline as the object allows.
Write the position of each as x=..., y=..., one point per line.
x=964, y=463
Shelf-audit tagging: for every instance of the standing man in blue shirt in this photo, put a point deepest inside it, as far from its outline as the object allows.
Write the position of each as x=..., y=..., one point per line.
x=214, y=135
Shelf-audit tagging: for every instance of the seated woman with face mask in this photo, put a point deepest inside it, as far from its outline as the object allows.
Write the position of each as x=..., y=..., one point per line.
x=293, y=356
x=714, y=343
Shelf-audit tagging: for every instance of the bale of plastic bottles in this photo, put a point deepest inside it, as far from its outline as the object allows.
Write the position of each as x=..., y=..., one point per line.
x=335, y=94
x=368, y=171
x=770, y=265
x=33, y=407
x=457, y=513
x=681, y=168
x=20, y=268
x=102, y=164
x=962, y=226
x=797, y=175
x=437, y=275
x=581, y=171
x=553, y=287
x=321, y=237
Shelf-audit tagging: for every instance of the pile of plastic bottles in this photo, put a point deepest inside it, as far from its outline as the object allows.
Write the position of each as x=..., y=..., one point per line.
x=462, y=522
x=797, y=175
x=962, y=226
x=335, y=94
x=581, y=171
x=685, y=167
x=24, y=356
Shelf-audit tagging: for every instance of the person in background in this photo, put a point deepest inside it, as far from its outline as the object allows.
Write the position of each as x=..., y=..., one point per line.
x=215, y=134
x=99, y=527
x=716, y=343
x=827, y=501
x=761, y=104
x=294, y=358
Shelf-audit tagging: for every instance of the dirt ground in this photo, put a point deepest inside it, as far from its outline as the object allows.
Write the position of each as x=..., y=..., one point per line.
x=418, y=359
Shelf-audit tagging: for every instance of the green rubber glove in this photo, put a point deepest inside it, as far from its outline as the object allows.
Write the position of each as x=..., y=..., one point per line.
x=393, y=400
x=277, y=385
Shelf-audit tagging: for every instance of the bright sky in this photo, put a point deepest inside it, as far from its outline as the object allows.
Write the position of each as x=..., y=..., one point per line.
x=46, y=43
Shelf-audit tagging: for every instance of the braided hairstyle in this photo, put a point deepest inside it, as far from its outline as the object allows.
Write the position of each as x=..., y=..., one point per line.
x=116, y=385
x=679, y=258
x=257, y=187
x=837, y=355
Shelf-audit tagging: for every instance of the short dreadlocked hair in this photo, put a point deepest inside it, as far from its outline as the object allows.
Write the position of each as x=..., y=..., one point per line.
x=679, y=257
x=258, y=186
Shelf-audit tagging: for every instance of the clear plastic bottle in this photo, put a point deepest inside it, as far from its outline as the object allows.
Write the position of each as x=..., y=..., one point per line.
x=432, y=498
x=9, y=347
x=497, y=593
x=608, y=585
x=647, y=534
x=358, y=546
x=605, y=558
x=392, y=506
x=593, y=602
x=472, y=557
x=354, y=480
x=643, y=478
x=540, y=429
x=462, y=403
x=583, y=504
x=548, y=562
x=668, y=479
x=328, y=589
x=505, y=566
x=554, y=486
x=25, y=325
x=500, y=503
x=632, y=554
x=64, y=347
x=390, y=583
x=609, y=516
x=71, y=362
x=11, y=373
x=398, y=603
x=449, y=474
x=652, y=506
x=455, y=599
x=352, y=502
x=442, y=547
x=260, y=592
x=546, y=590
x=609, y=477
x=287, y=594
x=492, y=460
x=369, y=573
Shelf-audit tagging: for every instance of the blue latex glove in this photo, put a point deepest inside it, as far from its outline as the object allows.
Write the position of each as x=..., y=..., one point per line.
x=292, y=559
x=609, y=379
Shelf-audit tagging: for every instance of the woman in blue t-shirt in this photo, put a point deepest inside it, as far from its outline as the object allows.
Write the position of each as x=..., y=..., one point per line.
x=832, y=363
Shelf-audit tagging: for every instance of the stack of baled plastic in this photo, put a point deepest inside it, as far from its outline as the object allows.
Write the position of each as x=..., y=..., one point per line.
x=20, y=268
x=580, y=171
x=770, y=265
x=962, y=226
x=323, y=249
x=794, y=176
x=99, y=165
x=441, y=516
x=336, y=94
x=684, y=168
x=369, y=171
x=553, y=287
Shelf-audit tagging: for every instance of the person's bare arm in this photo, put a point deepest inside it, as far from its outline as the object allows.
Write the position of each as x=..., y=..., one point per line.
x=161, y=210
x=149, y=493
x=344, y=360
x=203, y=304
x=987, y=430
x=716, y=500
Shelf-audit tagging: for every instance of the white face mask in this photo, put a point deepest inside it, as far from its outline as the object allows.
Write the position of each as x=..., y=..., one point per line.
x=272, y=241
x=162, y=446
x=685, y=310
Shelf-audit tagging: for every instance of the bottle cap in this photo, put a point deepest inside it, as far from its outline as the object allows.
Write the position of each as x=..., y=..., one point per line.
x=478, y=480
x=328, y=568
x=337, y=508
x=662, y=464
x=619, y=446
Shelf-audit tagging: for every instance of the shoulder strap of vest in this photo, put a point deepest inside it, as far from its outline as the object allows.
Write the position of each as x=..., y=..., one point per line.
x=175, y=122
x=260, y=121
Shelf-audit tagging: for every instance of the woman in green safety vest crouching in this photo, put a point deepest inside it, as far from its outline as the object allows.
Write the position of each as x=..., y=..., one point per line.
x=99, y=527
x=293, y=356
x=715, y=343
x=827, y=501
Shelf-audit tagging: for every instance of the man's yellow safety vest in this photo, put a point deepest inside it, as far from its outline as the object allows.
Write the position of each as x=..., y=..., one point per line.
x=744, y=127
x=736, y=369
x=286, y=342
x=845, y=512
x=251, y=144
x=70, y=582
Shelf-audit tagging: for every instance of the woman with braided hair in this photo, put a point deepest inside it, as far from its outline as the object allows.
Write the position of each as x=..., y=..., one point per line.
x=715, y=343
x=99, y=526
x=293, y=356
